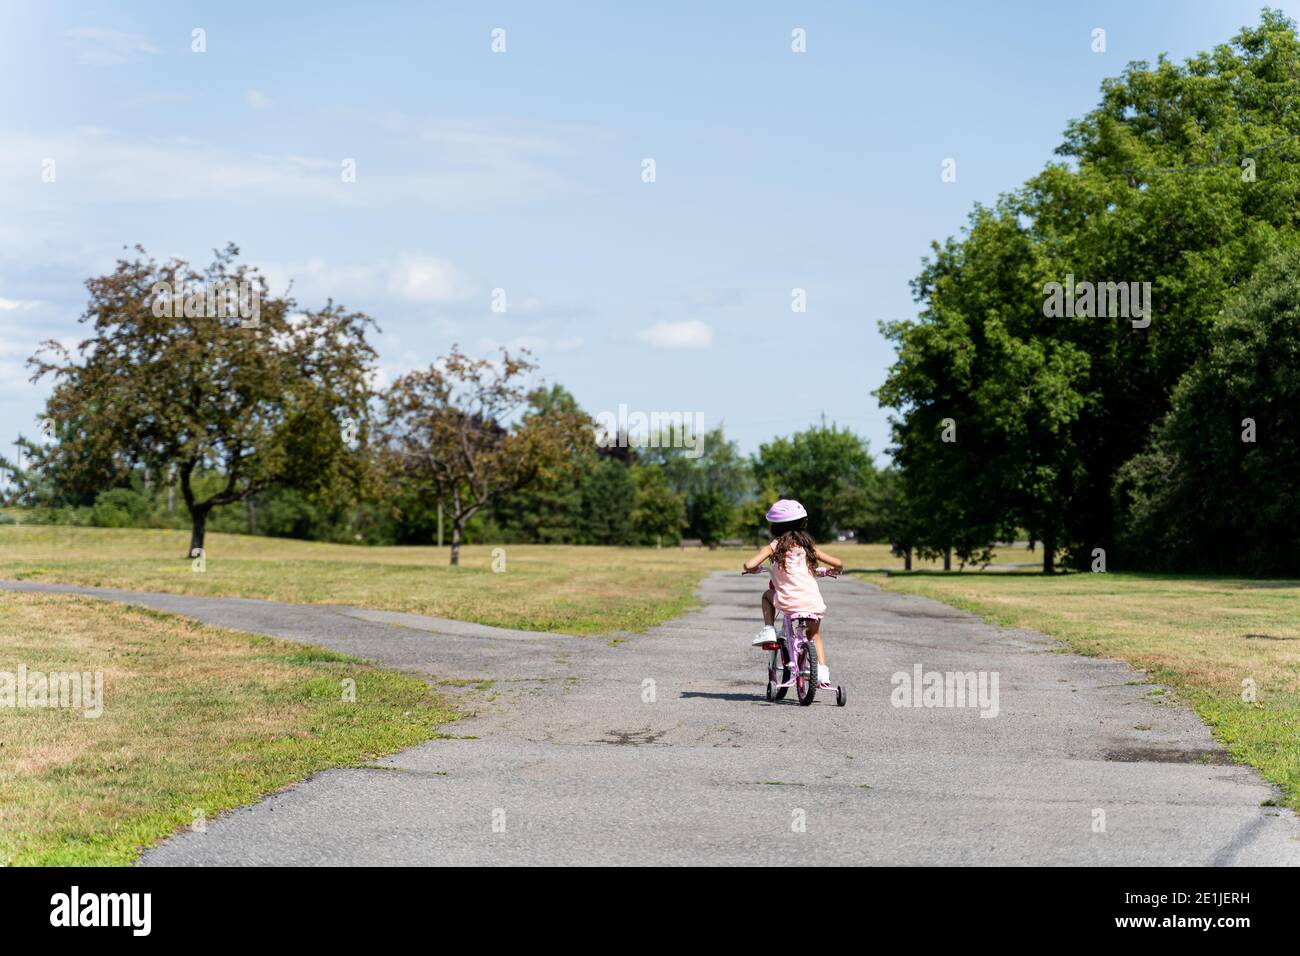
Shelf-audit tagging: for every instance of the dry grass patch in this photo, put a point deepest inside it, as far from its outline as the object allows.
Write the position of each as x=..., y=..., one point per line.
x=194, y=718
x=557, y=588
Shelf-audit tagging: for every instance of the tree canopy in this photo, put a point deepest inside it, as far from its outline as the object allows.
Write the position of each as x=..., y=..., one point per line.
x=1185, y=177
x=177, y=379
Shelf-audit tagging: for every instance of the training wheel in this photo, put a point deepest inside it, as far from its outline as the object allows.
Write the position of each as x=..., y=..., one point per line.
x=769, y=690
x=840, y=697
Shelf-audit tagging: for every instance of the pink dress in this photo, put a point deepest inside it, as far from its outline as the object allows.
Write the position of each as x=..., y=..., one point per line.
x=794, y=589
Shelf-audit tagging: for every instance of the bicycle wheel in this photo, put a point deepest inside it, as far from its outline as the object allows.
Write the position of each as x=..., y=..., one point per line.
x=778, y=661
x=806, y=687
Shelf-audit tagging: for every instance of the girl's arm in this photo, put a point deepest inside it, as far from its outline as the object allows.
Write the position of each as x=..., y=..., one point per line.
x=829, y=561
x=764, y=553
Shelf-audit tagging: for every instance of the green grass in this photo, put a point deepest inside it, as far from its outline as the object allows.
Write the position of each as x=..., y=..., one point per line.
x=195, y=720
x=556, y=588
x=1200, y=636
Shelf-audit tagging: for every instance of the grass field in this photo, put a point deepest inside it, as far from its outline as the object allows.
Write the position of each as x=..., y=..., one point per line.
x=1203, y=637
x=194, y=720
x=575, y=590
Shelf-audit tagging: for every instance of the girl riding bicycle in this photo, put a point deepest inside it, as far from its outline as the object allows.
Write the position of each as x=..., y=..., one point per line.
x=793, y=588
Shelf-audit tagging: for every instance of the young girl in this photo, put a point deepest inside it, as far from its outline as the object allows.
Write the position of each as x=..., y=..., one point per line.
x=793, y=587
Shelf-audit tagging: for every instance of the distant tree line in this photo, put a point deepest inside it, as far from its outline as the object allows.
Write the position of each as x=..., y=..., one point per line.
x=178, y=412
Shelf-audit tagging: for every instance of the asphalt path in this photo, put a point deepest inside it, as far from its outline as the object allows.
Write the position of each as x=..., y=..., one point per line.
x=660, y=748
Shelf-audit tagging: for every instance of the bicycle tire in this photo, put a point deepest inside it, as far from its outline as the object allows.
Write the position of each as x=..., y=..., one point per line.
x=808, y=692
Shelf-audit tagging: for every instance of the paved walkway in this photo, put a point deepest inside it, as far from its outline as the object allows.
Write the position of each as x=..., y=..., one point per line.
x=567, y=762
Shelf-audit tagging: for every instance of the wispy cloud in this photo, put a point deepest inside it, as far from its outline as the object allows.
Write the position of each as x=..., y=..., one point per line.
x=692, y=334
x=426, y=279
x=96, y=46
x=471, y=167
x=414, y=278
x=257, y=100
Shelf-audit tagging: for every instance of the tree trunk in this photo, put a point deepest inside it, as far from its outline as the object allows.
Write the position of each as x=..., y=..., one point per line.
x=1049, y=557
x=947, y=559
x=907, y=559
x=198, y=528
x=455, y=543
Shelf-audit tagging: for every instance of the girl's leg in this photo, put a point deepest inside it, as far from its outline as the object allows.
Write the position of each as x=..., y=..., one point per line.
x=815, y=632
x=769, y=609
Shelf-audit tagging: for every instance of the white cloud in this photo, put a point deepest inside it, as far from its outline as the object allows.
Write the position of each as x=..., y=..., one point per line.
x=99, y=47
x=692, y=334
x=425, y=279
x=13, y=305
x=415, y=278
x=315, y=279
x=257, y=100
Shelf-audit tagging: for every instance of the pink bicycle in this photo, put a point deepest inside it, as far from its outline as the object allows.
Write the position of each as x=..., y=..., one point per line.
x=795, y=646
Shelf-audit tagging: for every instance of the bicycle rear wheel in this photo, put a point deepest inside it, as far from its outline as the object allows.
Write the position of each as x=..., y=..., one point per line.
x=806, y=686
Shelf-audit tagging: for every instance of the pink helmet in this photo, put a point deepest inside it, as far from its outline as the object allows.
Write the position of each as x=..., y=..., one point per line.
x=787, y=509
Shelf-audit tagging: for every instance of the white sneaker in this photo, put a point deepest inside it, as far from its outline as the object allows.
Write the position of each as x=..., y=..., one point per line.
x=823, y=674
x=766, y=636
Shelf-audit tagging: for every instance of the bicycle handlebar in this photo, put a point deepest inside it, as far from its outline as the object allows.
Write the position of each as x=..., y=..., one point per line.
x=820, y=572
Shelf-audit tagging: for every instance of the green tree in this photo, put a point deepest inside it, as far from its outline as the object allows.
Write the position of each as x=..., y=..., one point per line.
x=1215, y=490
x=608, y=499
x=549, y=511
x=175, y=376
x=1047, y=410
x=713, y=484
x=442, y=436
x=659, y=512
x=829, y=471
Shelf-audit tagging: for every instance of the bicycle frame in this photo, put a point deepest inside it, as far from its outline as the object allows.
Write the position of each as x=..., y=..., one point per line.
x=796, y=639
x=795, y=628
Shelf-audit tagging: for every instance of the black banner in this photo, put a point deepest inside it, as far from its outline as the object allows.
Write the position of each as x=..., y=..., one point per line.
x=333, y=905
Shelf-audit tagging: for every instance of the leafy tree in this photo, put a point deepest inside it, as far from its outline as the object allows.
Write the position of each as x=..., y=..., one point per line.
x=608, y=499
x=828, y=470
x=550, y=509
x=181, y=381
x=443, y=435
x=1215, y=490
x=120, y=508
x=710, y=515
x=1049, y=409
x=659, y=512
x=713, y=485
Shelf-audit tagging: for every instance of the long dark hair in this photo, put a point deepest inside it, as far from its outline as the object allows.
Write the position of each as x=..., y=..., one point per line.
x=787, y=535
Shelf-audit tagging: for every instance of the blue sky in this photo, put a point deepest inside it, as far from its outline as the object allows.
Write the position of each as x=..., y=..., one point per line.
x=522, y=171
